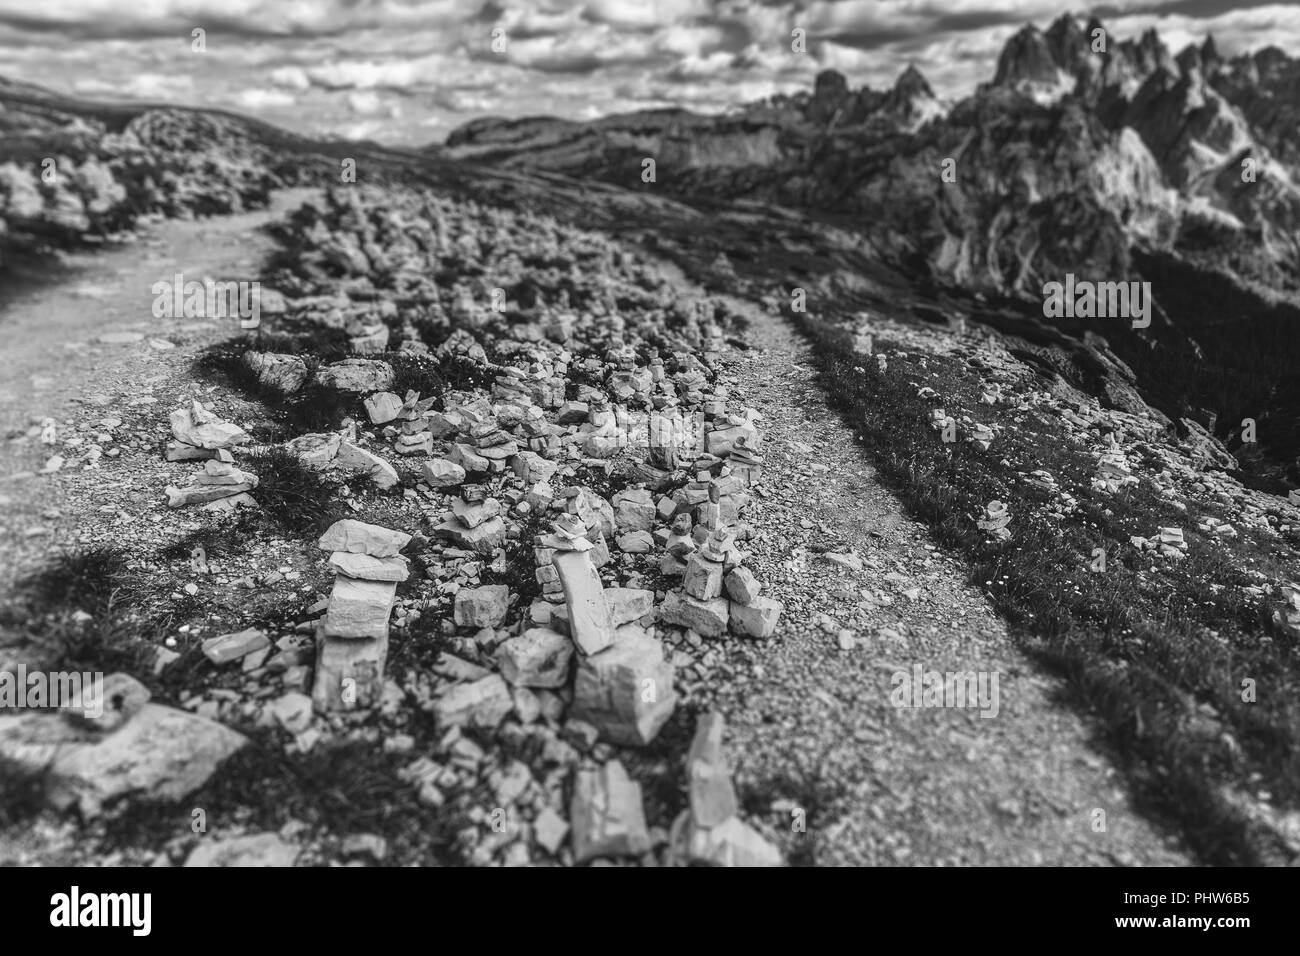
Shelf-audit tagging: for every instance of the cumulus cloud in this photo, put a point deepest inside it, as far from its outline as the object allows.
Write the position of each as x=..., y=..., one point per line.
x=316, y=64
x=255, y=100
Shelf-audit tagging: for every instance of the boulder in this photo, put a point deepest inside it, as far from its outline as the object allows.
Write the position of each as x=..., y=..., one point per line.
x=160, y=753
x=731, y=843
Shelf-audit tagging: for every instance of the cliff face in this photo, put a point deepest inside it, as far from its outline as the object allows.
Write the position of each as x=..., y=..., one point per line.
x=1066, y=160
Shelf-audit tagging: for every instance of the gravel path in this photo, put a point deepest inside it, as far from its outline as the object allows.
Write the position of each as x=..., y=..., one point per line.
x=812, y=721
x=89, y=348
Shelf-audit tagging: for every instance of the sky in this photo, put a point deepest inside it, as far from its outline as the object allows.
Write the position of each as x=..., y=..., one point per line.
x=409, y=71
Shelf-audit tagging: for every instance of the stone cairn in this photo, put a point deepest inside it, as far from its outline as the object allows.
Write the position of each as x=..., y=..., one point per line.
x=475, y=522
x=717, y=594
x=199, y=434
x=352, y=640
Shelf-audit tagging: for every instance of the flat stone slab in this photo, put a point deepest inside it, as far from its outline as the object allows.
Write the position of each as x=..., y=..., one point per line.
x=359, y=608
x=367, y=568
x=357, y=537
x=584, y=597
x=358, y=461
x=160, y=753
x=234, y=646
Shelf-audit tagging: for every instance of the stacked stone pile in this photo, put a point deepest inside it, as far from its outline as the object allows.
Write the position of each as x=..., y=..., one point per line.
x=352, y=643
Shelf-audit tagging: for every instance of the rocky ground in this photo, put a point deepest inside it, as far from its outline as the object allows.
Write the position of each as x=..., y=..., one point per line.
x=503, y=543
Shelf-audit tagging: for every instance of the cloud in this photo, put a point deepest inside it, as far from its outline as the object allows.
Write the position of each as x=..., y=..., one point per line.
x=353, y=67
x=255, y=100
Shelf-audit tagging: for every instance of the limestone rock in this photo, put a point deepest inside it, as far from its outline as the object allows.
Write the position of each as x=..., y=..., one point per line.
x=628, y=604
x=539, y=657
x=162, y=753
x=359, y=608
x=121, y=698
x=758, y=619
x=257, y=849
x=358, y=461
x=483, y=703
x=315, y=450
x=441, y=473
x=383, y=407
x=634, y=510
x=196, y=425
x=236, y=646
x=606, y=814
x=741, y=586
x=366, y=568
x=626, y=691
x=635, y=542
x=484, y=539
x=357, y=537
x=589, y=620
x=708, y=618
x=731, y=843
x=349, y=673
x=287, y=373
x=484, y=606
x=703, y=578
x=357, y=375
x=712, y=797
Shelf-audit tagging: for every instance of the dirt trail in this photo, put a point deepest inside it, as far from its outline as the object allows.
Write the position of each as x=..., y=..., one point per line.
x=54, y=364
x=880, y=784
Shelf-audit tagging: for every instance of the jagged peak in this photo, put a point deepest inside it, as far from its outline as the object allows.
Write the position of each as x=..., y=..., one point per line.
x=1065, y=27
x=1209, y=50
x=912, y=83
